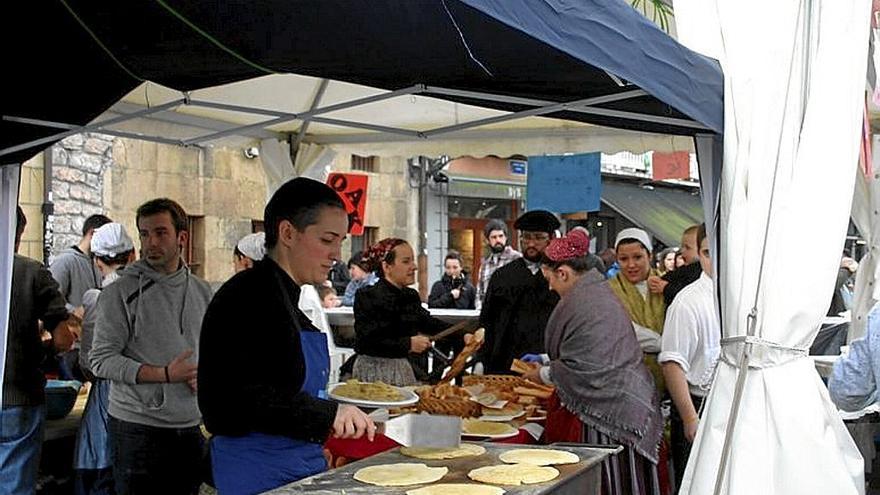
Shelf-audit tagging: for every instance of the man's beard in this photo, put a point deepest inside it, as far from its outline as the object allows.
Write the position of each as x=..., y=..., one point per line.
x=533, y=258
x=496, y=248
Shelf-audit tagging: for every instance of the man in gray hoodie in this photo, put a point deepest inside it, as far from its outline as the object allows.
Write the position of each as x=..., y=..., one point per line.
x=73, y=268
x=146, y=342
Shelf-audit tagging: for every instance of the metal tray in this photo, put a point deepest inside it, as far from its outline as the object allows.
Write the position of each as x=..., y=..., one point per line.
x=580, y=478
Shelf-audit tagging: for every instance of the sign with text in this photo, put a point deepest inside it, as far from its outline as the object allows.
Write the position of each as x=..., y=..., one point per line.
x=352, y=188
x=564, y=183
x=675, y=165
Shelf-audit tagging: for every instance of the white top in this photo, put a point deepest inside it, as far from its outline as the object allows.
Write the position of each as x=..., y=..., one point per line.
x=310, y=305
x=692, y=334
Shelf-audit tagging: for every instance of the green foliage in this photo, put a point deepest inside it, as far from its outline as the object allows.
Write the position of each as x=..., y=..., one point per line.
x=657, y=10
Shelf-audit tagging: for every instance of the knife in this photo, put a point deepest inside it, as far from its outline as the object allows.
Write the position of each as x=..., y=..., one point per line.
x=420, y=430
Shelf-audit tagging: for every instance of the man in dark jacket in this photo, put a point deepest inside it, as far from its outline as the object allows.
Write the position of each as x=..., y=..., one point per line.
x=453, y=290
x=518, y=300
x=35, y=297
x=672, y=283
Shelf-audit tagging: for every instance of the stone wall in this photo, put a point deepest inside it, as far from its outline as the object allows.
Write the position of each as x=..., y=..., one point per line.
x=78, y=164
x=219, y=187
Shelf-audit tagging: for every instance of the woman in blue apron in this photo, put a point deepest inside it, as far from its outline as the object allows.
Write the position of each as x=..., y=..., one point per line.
x=112, y=249
x=263, y=366
x=258, y=462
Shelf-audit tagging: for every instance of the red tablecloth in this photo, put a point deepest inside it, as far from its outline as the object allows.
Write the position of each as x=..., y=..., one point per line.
x=341, y=452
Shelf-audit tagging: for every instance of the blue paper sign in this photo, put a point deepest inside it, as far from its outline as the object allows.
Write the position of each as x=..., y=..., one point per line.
x=564, y=183
x=518, y=167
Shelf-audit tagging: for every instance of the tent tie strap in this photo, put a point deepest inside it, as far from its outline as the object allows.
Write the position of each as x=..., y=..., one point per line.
x=762, y=353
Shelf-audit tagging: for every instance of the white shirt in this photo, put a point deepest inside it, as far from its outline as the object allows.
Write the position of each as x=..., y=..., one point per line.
x=310, y=305
x=692, y=334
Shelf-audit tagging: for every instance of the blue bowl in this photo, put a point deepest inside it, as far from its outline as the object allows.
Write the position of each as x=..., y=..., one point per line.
x=60, y=397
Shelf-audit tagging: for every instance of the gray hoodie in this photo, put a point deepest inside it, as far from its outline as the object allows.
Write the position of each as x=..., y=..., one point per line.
x=75, y=274
x=147, y=317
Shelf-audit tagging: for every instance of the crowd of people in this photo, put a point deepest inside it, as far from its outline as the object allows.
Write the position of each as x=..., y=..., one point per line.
x=616, y=335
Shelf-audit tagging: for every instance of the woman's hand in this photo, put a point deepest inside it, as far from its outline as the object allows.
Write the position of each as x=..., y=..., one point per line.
x=351, y=422
x=656, y=284
x=419, y=344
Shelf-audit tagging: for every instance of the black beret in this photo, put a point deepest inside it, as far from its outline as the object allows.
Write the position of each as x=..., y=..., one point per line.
x=537, y=221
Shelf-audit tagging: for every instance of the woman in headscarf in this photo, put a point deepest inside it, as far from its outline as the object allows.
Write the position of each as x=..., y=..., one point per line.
x=643, y=303
x=604, y=393
x=111, y=250
x=390, y=324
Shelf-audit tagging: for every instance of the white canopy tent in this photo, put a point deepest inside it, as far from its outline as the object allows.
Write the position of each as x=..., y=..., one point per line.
x=793, y=111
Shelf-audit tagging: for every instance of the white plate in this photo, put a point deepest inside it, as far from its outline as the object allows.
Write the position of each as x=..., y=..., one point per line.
x=500, y=419
x=409, y=397
x=497, y=436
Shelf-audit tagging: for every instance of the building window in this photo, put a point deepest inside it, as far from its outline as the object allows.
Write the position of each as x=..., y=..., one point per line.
x=194, y=249
x=363, y=163
x=363, y=242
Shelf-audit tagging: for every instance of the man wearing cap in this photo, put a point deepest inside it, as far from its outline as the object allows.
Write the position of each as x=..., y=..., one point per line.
x=518, y=301
x=500, y=254
x=35, y=297
x=645, y=306
x=145, y=344
x=111, y=249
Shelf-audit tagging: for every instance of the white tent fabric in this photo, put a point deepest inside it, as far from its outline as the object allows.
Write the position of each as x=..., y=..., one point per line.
x=275, y=157
x=866, y=216
x=312, y=160
x=9, y=177
x=793, y=105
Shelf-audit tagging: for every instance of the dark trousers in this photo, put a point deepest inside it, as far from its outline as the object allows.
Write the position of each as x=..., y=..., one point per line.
x=681, y=448
x=151, y=460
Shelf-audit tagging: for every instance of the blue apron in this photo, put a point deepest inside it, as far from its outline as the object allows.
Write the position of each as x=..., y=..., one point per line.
x=92, y=441
x=259, y=462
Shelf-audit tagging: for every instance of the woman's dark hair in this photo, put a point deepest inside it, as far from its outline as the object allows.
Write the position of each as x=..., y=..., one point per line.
x=580, y=264
x=119, y=259
x=357, y=259
x=299, y=201
x=382, y=251
x=237, y=253
x=162, y=205
x=453, y=255
x=20, y=222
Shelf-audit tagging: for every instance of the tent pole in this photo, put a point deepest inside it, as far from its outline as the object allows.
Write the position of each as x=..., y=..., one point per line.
x=301, y=133
x=111, y=132
x=89, y=127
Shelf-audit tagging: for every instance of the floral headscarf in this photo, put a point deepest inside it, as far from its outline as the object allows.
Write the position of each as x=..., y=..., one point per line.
x=379, y=252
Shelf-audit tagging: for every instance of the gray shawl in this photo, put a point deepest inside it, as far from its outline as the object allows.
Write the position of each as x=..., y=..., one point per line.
x=596, y=364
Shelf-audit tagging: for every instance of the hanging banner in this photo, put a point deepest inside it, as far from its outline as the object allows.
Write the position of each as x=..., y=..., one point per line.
x=675, y=165
x=564, y=183
x=352, y=188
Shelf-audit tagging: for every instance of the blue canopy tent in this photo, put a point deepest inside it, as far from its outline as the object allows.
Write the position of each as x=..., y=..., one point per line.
x=593, y=61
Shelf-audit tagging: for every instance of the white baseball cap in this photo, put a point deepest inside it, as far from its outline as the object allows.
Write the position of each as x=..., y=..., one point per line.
x=111, y=240
x=253, y=246
x=637, y=234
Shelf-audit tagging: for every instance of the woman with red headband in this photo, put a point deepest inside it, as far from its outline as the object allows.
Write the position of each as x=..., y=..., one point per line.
x=604, y=393
x=390, y=324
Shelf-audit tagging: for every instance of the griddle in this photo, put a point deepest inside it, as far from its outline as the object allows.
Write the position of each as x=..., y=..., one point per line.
x=580, y=478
